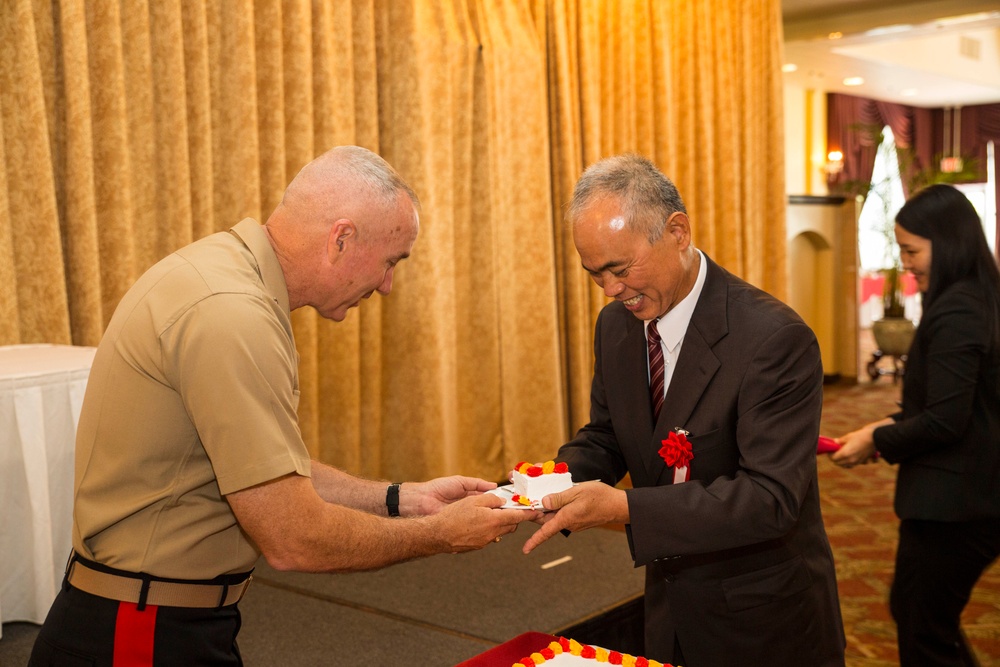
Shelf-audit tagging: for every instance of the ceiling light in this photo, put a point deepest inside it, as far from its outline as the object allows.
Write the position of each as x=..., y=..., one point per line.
x=789, y=67
x=966, y=18
x=854, y=81
x=889, y=30
x=835, y=35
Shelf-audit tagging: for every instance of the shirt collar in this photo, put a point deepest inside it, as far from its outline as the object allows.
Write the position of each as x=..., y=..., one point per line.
x=673, y=325
x=253, y=236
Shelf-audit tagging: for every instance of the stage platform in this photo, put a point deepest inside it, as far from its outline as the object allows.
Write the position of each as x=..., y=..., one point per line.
x=449, y=608
x=434, y=612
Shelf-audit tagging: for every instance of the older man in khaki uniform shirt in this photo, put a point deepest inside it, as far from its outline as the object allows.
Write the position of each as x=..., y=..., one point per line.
x=190, y=463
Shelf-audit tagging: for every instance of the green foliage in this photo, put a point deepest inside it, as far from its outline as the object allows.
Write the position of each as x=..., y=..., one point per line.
x=893, y=297
x=914, y=178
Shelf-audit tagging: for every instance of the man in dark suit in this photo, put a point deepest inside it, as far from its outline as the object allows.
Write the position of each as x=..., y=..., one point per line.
x=738, y=566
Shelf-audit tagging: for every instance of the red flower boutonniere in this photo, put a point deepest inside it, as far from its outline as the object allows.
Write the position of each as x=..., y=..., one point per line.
x=676, y=453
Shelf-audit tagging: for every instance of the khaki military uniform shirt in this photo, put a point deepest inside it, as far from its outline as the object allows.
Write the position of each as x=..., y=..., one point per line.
x=192, y=395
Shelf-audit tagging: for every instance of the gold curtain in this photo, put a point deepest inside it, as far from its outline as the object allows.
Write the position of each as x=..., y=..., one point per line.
x=128, y=129
x=696, y=87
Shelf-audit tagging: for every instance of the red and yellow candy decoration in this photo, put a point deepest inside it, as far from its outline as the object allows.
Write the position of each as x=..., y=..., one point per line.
x=537, y=470
x=594, y=653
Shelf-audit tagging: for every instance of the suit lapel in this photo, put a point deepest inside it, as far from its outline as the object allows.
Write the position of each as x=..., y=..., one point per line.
x=633, y=381
x=696, y=366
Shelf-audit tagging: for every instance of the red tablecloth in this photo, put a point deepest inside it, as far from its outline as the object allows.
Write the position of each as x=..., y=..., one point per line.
x=512, y=650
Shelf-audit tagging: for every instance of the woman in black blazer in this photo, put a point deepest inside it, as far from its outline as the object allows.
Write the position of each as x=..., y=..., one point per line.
x=946, y=439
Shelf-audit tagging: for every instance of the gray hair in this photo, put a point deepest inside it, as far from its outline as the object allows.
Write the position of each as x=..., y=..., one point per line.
x=646, y=195
x=374, y=173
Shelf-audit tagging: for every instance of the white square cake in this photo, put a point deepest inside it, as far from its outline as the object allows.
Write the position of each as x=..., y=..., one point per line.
x=534, y=482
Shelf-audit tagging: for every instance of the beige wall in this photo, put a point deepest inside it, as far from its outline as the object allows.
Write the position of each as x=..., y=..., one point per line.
x=805, y=141
x=821, y=237
x=822, y=286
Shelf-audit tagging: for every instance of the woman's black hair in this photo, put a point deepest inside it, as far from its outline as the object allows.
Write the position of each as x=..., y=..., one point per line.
x=946, y=217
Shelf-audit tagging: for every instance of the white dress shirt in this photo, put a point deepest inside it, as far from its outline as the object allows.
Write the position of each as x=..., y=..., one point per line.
x=673, y=325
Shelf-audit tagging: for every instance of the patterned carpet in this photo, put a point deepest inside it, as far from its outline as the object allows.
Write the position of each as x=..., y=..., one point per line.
x=857, y=510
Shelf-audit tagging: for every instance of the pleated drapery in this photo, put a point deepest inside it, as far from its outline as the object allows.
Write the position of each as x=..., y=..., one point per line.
x=128, y=129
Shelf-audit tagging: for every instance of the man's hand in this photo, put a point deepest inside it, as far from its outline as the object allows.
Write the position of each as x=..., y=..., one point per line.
x=472, y=523
x=298, y=530
x=425, y=498
x=584, y=506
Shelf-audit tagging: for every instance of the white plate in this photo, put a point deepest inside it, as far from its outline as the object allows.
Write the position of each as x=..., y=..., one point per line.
x=506, y=493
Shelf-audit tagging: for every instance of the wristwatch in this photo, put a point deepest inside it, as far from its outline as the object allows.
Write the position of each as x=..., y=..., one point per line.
x=392, y=498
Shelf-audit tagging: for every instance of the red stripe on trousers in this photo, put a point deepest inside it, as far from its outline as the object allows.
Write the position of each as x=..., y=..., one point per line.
x=134, y=631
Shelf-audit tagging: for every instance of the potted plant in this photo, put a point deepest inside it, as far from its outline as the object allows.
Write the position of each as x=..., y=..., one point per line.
x=894, y=332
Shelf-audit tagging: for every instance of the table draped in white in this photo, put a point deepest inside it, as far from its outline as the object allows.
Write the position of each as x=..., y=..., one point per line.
x=41, y=392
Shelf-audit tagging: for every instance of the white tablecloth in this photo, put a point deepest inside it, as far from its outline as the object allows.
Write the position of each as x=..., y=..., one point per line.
x=41, y=391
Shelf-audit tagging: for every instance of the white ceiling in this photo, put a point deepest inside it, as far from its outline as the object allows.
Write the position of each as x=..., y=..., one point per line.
x=929, y=53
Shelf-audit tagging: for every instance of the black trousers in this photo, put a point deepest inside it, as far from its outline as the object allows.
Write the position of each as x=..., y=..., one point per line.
x=80, y=629
x=937, y=565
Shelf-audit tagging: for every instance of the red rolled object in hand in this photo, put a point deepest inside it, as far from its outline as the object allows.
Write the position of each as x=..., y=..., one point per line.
x=826, y=445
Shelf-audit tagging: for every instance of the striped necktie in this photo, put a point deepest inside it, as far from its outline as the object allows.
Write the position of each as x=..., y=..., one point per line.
x=655, y=368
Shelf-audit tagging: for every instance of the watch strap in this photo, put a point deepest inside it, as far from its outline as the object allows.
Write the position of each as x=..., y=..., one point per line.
x=392, y=498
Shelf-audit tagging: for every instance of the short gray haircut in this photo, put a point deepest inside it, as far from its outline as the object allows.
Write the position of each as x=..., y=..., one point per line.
x=646, y=195
x=375, y=173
